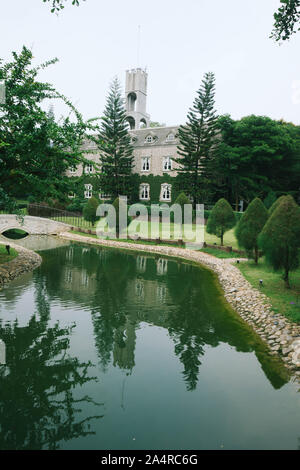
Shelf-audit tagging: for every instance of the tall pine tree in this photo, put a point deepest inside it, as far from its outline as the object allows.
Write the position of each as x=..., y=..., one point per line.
x=115, y=146
x=197, y=142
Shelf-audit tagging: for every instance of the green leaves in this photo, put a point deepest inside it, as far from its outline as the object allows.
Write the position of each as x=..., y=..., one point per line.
x=221, y=219
x=250, y=226
x=257, y=155
x=197, y=142
x=280, y=237
x=286, y=20
x=114, y=143
x=35, y=150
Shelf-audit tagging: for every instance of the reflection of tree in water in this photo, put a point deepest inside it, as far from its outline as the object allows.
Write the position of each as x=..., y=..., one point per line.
x=201, y=318
x=37, y=407
x=110, y=315
x=128, y=289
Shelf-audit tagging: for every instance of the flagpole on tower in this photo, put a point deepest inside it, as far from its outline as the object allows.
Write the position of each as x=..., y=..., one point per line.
x=138, y=45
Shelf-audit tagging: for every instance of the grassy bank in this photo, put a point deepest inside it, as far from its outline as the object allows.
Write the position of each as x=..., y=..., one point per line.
x=284, y=301
x=163, y=230
x=4, y=257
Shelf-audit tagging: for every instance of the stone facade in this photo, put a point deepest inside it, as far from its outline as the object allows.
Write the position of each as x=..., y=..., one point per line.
x=155, y=148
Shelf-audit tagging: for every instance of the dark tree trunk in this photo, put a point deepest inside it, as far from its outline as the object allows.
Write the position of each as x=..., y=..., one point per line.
x=256, y=255
x=286, y=278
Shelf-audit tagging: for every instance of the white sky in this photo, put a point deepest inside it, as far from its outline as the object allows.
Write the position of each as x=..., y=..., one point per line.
x=180, y=41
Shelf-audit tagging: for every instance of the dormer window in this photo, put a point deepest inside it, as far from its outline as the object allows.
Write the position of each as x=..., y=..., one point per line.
x=149, y=139
x=170, y=137
x=145, y=164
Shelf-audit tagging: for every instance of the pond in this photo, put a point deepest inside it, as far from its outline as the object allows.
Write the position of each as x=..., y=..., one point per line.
x=108, y=349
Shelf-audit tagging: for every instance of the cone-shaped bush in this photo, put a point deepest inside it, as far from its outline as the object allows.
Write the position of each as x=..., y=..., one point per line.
x=280, y=237
x=250, y=226
x=89, y=210
x=182, y=199
x=276, y=204
x=221, y=219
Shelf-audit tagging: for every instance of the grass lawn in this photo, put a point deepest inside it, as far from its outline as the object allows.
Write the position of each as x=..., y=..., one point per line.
x=4, y=257
x=284, y=301
x=211, y=251
x=220, y=253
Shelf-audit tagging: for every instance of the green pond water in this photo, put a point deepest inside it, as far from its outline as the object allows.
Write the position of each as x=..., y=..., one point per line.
x=107, y=349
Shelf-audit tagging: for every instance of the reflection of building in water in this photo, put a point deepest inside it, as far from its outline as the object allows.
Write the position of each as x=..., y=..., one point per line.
x=124, y=345
x=85, y=278
x=139, y=289
x=162, y=266
x=161, y=292
x=141, y=263
x=68, y=275
x=79, y=281
x=70, y=253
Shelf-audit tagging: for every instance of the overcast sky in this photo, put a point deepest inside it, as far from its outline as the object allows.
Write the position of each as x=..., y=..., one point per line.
x=180, y=41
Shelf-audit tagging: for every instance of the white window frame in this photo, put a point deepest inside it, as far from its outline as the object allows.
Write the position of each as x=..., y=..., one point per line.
x=88, y=169
x=145, y=163
x=144, y=191
x=167, y=164
x=149, y=139
x=73, y=169
x=88, y=193
x=103, y=196
x=166, y=192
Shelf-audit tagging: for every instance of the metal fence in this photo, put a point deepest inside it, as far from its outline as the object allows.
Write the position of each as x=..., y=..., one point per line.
x=71, y=218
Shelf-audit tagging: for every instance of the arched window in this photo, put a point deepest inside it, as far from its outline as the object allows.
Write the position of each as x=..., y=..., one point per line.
x=131, y=100
x=149, y=139
x=165, y=193
x=167, y=164
x=170, y=137
x=88, y=168
x=145, y=164
x=143, y=123
x=131, y=122
x=88, y=193
x=144, y=192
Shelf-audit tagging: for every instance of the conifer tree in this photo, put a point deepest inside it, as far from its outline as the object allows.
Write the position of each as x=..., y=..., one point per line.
x=280, y=238
x=90, y=209
x=250, y=226
x=276, y=204
x=197, y=142
x=182, y=199
x=221, y=219
x=115, y=147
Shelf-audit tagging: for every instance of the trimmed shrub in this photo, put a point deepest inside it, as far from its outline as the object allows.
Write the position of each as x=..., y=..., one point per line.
x=89, y=210
x=221, y=219
x=250, y=226
x=280, y=238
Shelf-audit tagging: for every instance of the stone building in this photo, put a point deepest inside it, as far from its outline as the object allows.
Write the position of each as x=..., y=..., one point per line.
x=155, y=148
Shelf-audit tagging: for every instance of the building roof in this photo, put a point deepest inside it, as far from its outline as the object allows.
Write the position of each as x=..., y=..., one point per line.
x=159, y=136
